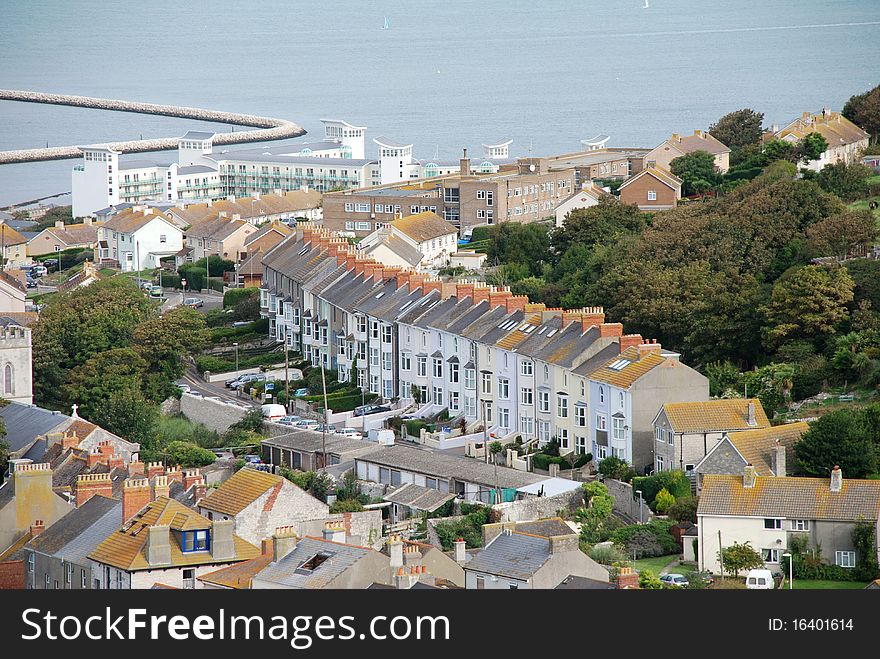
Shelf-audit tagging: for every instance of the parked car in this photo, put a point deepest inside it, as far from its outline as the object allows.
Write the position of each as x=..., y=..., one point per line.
x=300, y=393
x=31, y=283
x=247, y=379
x=185, y=388
x=760, y=580
x=39, y=271
x=674, y=579
x=350, y=432
x=306, y=424
x=155, y=291
x=364, y=410
x=253, y=459
x=289, y=420
x=146, y=285
x=193, y=302
x=330, y=429
x=50, y=262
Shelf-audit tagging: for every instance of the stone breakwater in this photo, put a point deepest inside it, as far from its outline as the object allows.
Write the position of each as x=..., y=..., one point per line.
x=269, y=128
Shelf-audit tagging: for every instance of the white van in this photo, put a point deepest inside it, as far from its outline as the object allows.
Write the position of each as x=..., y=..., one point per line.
x=273, y=411
x=760, y=580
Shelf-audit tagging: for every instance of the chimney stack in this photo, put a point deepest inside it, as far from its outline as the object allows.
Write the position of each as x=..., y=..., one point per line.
x=460, y=551
x=135, y=495
x=749, y=476
x=200, y=490
x=158, y=545
x=155, y=469
x=395, y=549
x=283, y=542
x=161, y=488
x=563, y=543
x=464, y=165
x=222, y=540
x=136, y=468
x=37, y=528
x=334, y=531
x=836, y=479
x=627, y=578
x=611, y=329
x=191, y=477
x=88, y=485
x=779, y=459
x=630, y=341
x=752, y=420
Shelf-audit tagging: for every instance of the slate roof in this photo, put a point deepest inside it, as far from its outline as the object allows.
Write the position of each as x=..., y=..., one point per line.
x=25, y=422
x=714, y=415
x=790, y=497
x=515, y=555
x=215, y=228
x=125, y=548
x=418, y=497
x=287, y=571
x=692, y=143
x=238, y=492
x=79, y=532
x=572, y=582
x=13, y=281
x=410, y=255
x=546, y=528
x=437, y=463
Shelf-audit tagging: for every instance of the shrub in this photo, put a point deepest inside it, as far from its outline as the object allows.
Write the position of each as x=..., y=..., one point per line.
x=684, y=509
x=235, y=295
x=607, y=554
x=664, y=501
x=347, y=506
x=469, y=527
x=649, y=581
x=633, y=538
x=614, y=467
x=187, y=454
x=675, y=482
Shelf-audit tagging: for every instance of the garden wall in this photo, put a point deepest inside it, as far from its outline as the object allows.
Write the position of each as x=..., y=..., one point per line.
x=534, y=508
x=211, y=413
x=624, y=503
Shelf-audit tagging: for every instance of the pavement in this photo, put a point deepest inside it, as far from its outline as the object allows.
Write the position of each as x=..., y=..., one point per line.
x=218, y=389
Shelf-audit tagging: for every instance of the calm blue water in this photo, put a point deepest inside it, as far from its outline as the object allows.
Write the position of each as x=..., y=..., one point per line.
x=446, y=75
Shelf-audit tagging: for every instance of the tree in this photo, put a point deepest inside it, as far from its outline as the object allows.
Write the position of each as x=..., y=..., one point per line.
x=697, y=170
x=807, y=302
x=187, y=454
x=777, y=149
x=649, y=581
x=839, y=234
x=605, y=223
x=684, y=509
x=512, y=242
x=738, y=129
x=598, y=510
x=663, y=501
x=725, y=379
x=843, y=438
x=739, y=557
x=864, y=111
x=128, y=414
x=614, y=467
x=849, y=182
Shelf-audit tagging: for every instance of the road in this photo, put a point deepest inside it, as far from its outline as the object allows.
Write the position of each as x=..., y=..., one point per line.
x=208, y=389
x=173, y=298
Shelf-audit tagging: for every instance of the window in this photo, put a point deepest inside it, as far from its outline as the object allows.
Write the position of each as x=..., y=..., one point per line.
x=195, y=541
x=525, y=368
x=601, y=422
x=374, y=356
x=652, y=195
x=470, y=378
x=47, y=581
x=800, y=525
x=487, y=383
x=454, y=400
x=438, y=395
x=405, y=361
x=374, y=329
x=543, y=401
x=527, y=425
x=617, y=428
x=8, y=380
x=386, y=362
x=82, y=578
x=563, y=437
x=453, y=373
x=470, y=406
x=562, y=407
x=622, y=405
x=526, y=396
x=437, y=367
x=422, y=367
x=580, y=416
x=601, y=394
x=659, y=463
x=543, y=431
x=503, y=388
x=772, y=523
x=69, y=576
x=481, y=583
x=504, y=417
x=770, y=555
x=386, y=334
x=845, y=558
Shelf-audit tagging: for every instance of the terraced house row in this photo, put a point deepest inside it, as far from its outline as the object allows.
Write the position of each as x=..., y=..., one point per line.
x=478, y=351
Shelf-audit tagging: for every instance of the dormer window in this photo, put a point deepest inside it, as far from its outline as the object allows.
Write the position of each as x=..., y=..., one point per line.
x=191, y=541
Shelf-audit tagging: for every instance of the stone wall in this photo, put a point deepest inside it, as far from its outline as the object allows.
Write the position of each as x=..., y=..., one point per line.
x=539, y=507
x=270, y=128
x=624, y=503
x=211, y=413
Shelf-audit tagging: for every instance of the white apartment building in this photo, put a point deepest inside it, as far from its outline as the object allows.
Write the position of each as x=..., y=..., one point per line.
x=137, y=239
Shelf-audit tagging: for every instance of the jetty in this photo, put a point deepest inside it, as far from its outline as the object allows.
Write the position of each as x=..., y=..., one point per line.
x=267, y=128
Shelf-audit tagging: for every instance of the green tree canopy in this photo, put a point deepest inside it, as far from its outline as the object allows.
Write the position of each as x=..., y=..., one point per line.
x=512, y=242
x=739, y=557
x=738, y=129
x=847, y=438
x=864, y=111
x=839, y=234
x=849, y=182
x=697, y=170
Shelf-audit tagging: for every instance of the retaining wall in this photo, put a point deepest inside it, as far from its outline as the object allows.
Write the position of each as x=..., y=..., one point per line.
x=211, y=413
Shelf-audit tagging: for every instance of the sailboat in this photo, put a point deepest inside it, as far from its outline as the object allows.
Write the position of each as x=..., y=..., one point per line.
x=647, y=6
x=386, y=25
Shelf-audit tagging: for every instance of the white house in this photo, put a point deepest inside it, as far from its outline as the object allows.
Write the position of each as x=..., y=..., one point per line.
x=12, y=292
x=587, y=196
x=427, y=233
x=137, y=239
x=846, y=141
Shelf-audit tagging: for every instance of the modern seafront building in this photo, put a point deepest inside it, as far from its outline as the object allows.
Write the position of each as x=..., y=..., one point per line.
x=480, y=352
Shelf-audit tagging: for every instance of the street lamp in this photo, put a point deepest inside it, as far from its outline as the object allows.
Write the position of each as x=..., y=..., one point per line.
x=790, y=570
x=639, y=492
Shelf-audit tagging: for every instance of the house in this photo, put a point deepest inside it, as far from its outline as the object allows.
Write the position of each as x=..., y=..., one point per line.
x=846, y=141
x=769, y=450
x=423, y=239
x=13, y=291
x=685, y=432
x=26, y=425
x=266, y=237
x=652, y=189
x=248, y=273
x=137, y=239
x=163, y=541
x=516, y=560
x=627, y=390
x=58, y=557
x=13, y=247
x=64, y=236
x=87, y=276
x=321, y=562
x=219, y=236
x=407, y=554
x=307, y=450
x=16, y=376
x=256, y=502
x=589, y=195
x=28, y=505
x=676, y=146
x=769, y=511
x=467, y=259
x=279, y=206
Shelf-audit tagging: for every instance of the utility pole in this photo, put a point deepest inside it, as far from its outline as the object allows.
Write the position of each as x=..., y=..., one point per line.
x=326, y=419
x=286, y=376
x=720, y=554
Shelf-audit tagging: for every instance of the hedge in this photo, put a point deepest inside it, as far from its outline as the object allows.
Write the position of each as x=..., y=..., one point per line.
x=235, y=295
x=348, y=403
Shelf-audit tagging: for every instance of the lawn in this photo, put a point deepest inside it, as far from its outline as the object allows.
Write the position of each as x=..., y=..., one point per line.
x=804, y=584
x=655, y=564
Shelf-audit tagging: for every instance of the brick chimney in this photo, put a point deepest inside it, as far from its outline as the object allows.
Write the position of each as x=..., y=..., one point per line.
x=105, y=448
x=378, y=273
x=402, y=278
x=135, y=495
x=37, y=528
x=630, y=341
x=779, y=459
x=191, y=477
x=200, y=490
x=431, y=284
x=516, y=303
x=568, y=317
x=649, y=347
x=174, y=474
x=464, y=165
x=95, y=457
x=136, y=468
x=749, y=476
x=69, y=440
x=497, y=296
x=88, y=485
x=334, y=531
x=416, y=280
x=611, y=329
x=155, y=469
x=464, y=289
x=481, y=294
x=627, y=578
x=267, y=546
x=836, y=479
x=592, y=316
x=161, y=487
x=395, y=550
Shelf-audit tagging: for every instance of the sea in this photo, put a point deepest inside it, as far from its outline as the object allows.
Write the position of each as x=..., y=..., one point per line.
x=442, y=75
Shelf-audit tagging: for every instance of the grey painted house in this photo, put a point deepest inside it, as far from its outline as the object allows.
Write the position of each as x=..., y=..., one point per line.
x=58, y=557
